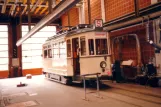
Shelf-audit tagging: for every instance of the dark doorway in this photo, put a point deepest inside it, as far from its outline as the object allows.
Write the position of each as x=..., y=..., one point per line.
x=75, y=48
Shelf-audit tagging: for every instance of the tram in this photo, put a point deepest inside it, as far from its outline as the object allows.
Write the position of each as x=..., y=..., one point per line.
x=77, y=51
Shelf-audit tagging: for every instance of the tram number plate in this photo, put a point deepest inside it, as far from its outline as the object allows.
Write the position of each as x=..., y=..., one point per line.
x=100, y=34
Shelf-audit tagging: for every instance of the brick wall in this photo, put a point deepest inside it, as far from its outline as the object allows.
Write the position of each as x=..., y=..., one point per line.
x=64, y=19
x=86, y=12
x=144, y=3
x=74, y=17
x=95, y=10
x=118, y=8
x=95, y=6
x=129, y=44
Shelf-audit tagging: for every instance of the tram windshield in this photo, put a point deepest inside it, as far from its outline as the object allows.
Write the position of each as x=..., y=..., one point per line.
x=101, y=46
x=91, y=46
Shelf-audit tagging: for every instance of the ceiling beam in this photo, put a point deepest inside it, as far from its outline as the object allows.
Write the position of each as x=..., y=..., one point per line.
x=24, y=10
x=24, y=2
x=37, y=3
x=43, y=10
x=37, y=10
x=46, y=12
x=50, y=3
x=4, y=6
x=64, y=7
x=10, y=4
x=14, y=7
x=32, y=2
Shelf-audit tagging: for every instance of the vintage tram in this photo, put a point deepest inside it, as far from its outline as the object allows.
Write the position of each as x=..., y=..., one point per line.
x=80, y=50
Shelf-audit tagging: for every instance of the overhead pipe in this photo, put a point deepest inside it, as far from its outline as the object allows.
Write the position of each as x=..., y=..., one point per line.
x=155, y=45
x=147, y=31
x=148, y=38
x=135, y=21
x=142, y=13
x=49, y=18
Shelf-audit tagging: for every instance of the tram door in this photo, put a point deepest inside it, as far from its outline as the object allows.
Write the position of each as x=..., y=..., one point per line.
x=75, y=48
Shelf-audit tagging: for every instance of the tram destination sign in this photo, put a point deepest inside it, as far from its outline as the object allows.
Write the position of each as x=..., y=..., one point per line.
x=100, y=34
x=98, y=24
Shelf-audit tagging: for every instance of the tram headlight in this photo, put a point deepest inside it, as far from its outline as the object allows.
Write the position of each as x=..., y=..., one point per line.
x=103, y=64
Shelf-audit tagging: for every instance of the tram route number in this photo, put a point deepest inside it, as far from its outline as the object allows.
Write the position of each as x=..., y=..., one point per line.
x=98, y=24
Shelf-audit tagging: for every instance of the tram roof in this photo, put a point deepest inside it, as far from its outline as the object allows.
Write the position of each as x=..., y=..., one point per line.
x=73, y=30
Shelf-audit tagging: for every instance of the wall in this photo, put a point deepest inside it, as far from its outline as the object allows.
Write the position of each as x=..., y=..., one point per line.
x=73, y=19
x=33, y=71
x=129, y=51
x=144, y=3
x=95, y=8
x=118, y=8
x=4, y=74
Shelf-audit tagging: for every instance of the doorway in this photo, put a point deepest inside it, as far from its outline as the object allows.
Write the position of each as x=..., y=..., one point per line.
x=75, y=48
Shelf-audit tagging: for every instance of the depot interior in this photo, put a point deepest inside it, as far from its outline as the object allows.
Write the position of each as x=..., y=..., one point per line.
x=122, y=20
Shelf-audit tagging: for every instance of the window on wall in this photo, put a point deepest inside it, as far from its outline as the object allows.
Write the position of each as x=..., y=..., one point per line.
x=101, y=46
x=32, y=47
x=3, y=47
x=83, y=46
x=91, y=46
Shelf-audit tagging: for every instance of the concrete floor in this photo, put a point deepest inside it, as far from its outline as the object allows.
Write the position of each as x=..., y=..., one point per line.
x=46, y=93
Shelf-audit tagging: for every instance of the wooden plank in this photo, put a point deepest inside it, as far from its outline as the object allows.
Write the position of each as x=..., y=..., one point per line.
x=24, y=2
x=14, y=7
x=24, y=10
x=37, y=3
x=37, y=10
x=43, y=11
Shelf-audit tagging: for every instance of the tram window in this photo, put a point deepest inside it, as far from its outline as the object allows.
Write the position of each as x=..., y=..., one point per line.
x=68, y=48
x=45, y=54
x=53, y=51
x=91, y=46
x=83, y=46
x=101, y=46
x=63, y=50
x=56, y=50
x=49, y=53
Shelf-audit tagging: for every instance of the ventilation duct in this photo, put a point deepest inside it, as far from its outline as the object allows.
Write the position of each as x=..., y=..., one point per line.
x=67, y=4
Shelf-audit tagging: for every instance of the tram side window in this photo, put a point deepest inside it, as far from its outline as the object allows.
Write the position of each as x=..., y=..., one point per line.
x=68, y=48
x=53, y=51
x=56, y=50
x=49, y=53
x=83, y=46
x=101, y=46
x=91, y=46
x=62, y=49
x=45, y=54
